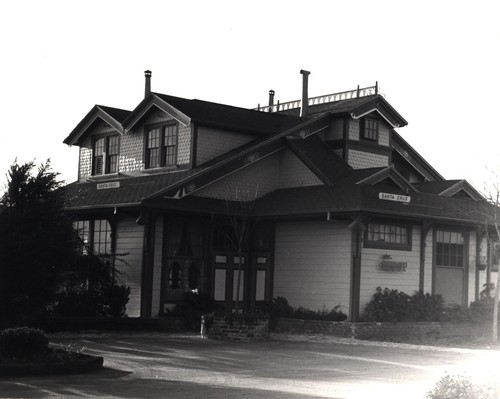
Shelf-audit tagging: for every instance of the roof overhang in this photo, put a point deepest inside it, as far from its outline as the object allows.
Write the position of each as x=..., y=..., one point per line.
x=383, y=108
x=96, y=114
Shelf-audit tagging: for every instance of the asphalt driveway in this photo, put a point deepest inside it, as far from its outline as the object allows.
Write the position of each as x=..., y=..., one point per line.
x=186, y=366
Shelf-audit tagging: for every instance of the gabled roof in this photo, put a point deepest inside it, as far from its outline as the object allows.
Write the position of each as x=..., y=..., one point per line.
x=211, y=114
x=388, y=173
x=362, y=106
x=237, y=160
x=114, y=117
x=321, y=159
x=450, y=188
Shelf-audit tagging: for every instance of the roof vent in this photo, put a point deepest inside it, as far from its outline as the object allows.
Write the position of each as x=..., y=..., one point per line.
x=147, y=90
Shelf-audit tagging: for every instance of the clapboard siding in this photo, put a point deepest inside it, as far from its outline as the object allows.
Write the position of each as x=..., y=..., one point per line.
x=312, y=264
x=372, y=276
x=129, y=239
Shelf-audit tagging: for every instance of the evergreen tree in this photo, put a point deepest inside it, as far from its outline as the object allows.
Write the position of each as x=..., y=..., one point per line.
x=37, y=242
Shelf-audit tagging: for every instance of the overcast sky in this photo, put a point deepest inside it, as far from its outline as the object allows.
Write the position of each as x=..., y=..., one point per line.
x=437, y=62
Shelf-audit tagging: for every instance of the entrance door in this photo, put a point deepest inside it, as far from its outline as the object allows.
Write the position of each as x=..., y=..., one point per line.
x=225, y=278
x=450, y=266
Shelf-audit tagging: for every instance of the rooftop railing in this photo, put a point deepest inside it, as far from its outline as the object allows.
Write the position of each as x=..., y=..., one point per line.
x=329, y=98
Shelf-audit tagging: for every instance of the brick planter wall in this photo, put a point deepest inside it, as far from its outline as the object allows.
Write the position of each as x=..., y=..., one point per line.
x=385, y=331
x=238, y=330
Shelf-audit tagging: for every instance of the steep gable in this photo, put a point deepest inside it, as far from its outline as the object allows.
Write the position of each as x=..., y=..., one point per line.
x=113, y=117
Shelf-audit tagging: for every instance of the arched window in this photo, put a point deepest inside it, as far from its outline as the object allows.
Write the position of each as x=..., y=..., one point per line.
x=193, y=276
x=174, y=276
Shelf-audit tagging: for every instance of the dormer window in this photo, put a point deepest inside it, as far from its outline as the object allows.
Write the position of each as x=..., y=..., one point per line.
x=369, y=129
x=161, y=146
x=105, y=155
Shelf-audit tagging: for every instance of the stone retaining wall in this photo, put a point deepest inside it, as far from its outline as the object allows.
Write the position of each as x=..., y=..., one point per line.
x=384, y=331
x=237, y=330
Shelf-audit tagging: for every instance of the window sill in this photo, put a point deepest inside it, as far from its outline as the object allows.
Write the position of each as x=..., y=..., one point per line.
x=103, y=177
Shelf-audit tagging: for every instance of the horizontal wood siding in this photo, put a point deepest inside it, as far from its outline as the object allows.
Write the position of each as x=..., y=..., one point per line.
x=372, y=276
x=312, y=264
x=129, y=240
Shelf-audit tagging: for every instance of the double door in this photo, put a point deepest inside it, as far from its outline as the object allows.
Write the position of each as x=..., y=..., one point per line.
x=251, y=270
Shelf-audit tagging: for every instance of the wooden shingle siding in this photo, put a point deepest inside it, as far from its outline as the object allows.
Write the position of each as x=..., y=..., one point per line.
x=85, y=164
x=244, y=185
x=214, y=142
x=312, y=265
x=281, y=170
x=155, y=306
x=354, y=129
x=129, y=239
x=364, y=160
x=184, y=145
x=335, y=131
x=131, y=153
x=383, y=133
x=294, y=173
x=372, y=276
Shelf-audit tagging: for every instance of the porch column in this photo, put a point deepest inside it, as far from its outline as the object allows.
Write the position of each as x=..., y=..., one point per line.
x=357, y=228
x=426, y=227
x=149, y=220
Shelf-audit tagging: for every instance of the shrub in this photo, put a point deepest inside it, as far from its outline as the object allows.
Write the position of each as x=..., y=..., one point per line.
x=91, y=291
x=389, y=305
x=22, y=341
x=452, y=387
x=279, y=307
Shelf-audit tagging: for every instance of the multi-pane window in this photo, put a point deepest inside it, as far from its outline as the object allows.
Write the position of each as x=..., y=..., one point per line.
x=370, y=129
x=388, y=235
x=449, y=248
x=170, y=144
x=105, y=155
x=153, y=148
x=95, y=235
x=112, y=160
x=161, y=146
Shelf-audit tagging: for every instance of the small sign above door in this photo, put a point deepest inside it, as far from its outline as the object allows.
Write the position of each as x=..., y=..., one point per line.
x=395, y=197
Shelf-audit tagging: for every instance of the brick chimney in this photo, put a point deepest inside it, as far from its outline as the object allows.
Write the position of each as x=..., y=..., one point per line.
x=147, y=89
x=305, y=96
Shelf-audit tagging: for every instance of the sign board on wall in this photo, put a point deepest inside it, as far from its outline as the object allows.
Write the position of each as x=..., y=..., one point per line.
x=394, y=197
x=108, y=185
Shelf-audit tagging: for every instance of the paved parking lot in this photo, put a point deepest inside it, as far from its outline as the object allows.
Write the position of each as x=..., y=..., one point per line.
x=186, y=366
